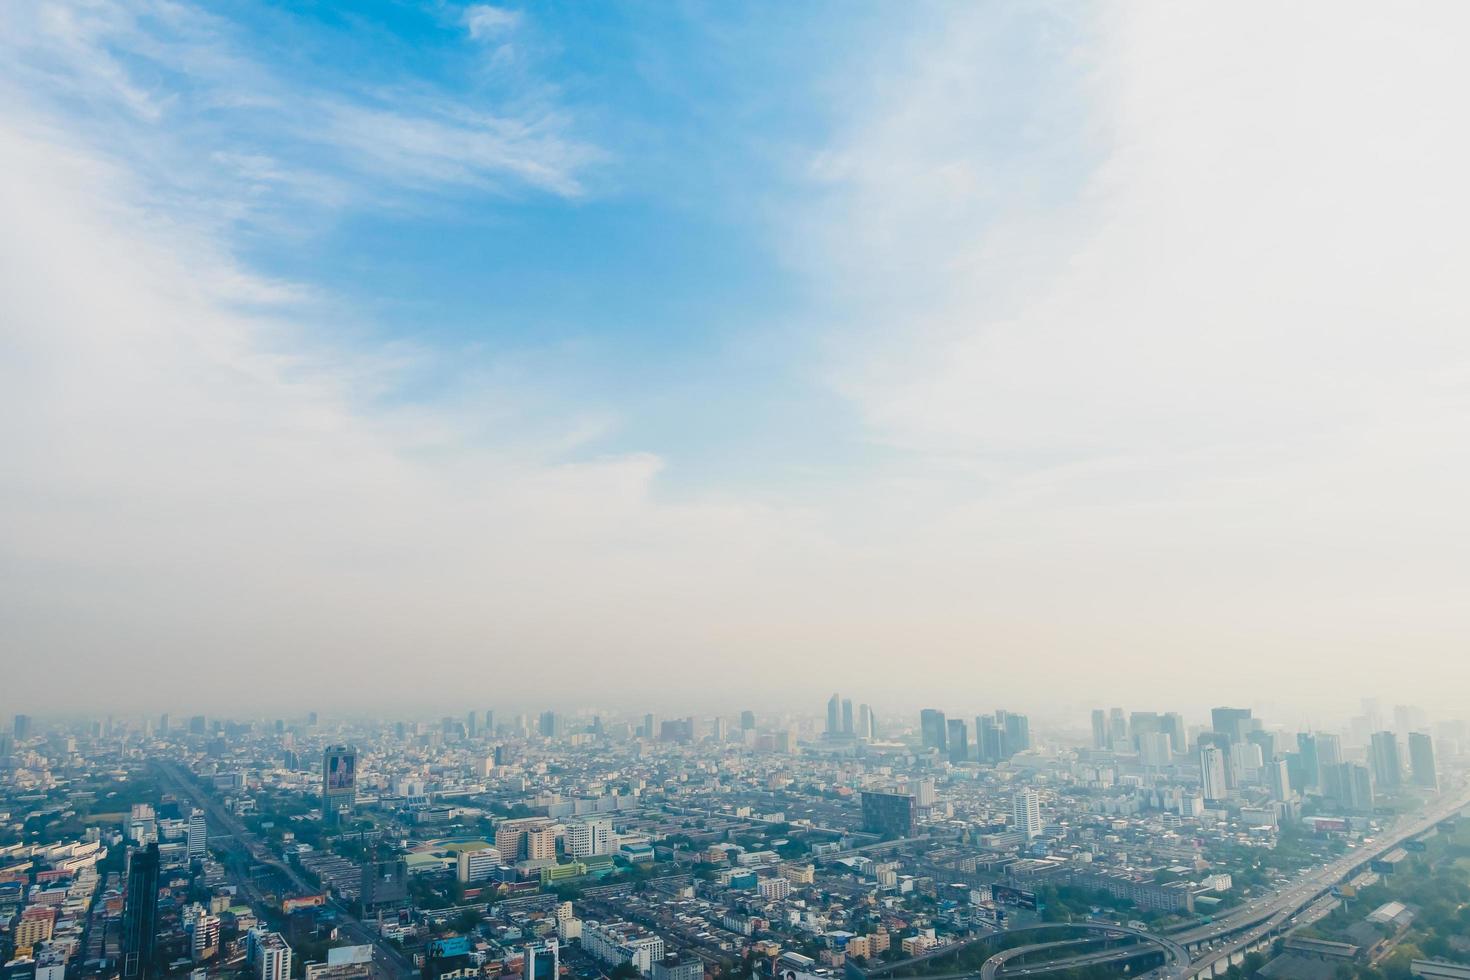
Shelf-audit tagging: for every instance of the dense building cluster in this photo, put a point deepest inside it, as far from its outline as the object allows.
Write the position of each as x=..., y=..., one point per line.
x=594, y=845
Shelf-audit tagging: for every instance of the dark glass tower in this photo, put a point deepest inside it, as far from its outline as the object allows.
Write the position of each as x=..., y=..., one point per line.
x=140, y=914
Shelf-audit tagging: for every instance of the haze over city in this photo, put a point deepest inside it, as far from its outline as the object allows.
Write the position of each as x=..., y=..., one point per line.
x=666, y=357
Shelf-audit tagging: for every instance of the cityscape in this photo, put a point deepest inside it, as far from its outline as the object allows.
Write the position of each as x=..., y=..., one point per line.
x=734, y=490
x=848, y=843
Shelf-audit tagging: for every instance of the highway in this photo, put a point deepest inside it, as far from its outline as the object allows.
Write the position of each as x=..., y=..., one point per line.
x=1264, y=916
x=1259, y=919
x=389, y=960
x=1177, y=956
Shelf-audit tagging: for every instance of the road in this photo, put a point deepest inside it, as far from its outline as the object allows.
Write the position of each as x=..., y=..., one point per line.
x=1176, y=955
x=391, y=961
x=1267, y=915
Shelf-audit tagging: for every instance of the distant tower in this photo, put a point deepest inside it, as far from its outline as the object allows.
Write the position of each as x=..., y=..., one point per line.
x=1099, y=728
x=1421, y=758
x=1212, y=773
x=198, y=841
x=847, y=728
x=339, y=782
x=1026, y=813
x=834, y=719
x=140, y=914
x=933, y=729
x=1384, y=754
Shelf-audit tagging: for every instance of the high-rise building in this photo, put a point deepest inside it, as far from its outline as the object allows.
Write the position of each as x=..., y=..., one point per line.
x=1233, y=723
x=847, y=722
x=140, y=914
x=1383, y=752
x=1099, y=728
x=383, y=884
x=339, y=783
x=477, y=864
x=989, y=739
x=1017, y=733
x=1212, y=767
x=542, y=960
x=490, y=722
x=204, y=939
x=589, y=836
x=1154, y=749
x=1141, y=723
x=932, y=729
x=957, y=740
x=1354, y=783
x=834, y=714
x=550, y=724
x=889, y=814
x=865, y=722
x=1279, y=780
x=198, y=840
x=1310, y=763
x=1026, y=813
x=1421, y=760
x=1172, y=724
x=747, y=721
x=1117, y=728
x=22, y=727
x=272, y=956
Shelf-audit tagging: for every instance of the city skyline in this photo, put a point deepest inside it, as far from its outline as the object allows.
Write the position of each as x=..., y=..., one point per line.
x=734, y=346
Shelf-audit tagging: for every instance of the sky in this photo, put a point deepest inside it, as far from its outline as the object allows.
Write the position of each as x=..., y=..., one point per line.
x=704, y=354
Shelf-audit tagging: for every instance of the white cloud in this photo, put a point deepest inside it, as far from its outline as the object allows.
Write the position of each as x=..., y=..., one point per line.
x=1199, y=353
x=485, y=21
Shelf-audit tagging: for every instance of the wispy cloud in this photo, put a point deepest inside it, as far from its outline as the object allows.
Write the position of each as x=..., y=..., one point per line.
x=486, y=22
x=166, y=87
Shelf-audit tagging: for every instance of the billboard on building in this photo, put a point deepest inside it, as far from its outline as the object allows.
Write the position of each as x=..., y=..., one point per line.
x=350, y=954
x=341, y=771
x=1013, y=896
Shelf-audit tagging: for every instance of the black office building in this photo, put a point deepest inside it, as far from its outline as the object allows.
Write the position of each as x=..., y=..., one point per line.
x=890, y=814
x=140, y=914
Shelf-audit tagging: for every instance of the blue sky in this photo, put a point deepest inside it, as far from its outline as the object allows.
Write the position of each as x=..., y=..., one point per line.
x=708, y=339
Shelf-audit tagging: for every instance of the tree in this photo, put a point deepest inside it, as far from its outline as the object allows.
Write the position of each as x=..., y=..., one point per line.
x=625, y=971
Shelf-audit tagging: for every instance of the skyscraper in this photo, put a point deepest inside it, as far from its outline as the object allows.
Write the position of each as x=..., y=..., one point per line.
x=1026, y=813
x=1355, y=786
x=957, y=741
x=847, y=723
x=1099, y=728
x=140, y=914
x=747, y=721
x=1306, y=746
x=339, y=782
x=1233, y=723
x=1279, y=780
x=932, y=729
x=1212, y=767
x=989, y=739
x=198, y=841
x=22, y=727
x=1421, y=759
x=865, y=721
x=1172, y=724
x=834, y=714
x=1018, y=733
x=1383, y=752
